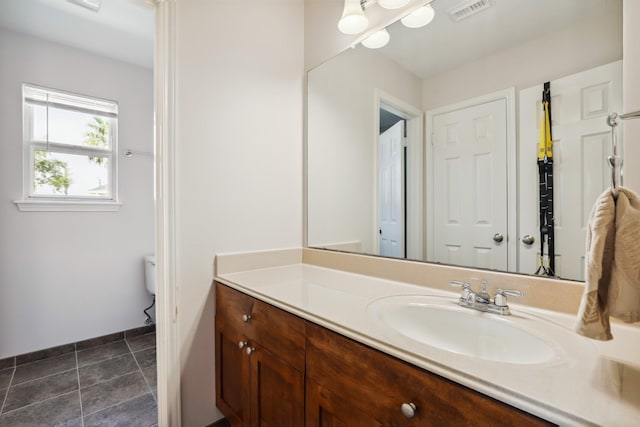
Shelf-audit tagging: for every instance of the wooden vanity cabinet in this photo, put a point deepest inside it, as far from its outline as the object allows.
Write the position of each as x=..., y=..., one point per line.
x=297, y=373
x=350, y=384
x=259, y=361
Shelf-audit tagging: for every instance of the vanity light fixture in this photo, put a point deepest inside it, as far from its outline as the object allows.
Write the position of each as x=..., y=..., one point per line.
x=93, y=5
x=392, y=4
x=353, y=19
x=377, y=39
x=419, y=17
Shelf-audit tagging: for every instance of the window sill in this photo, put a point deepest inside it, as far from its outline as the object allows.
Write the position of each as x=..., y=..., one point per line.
x=67, y=206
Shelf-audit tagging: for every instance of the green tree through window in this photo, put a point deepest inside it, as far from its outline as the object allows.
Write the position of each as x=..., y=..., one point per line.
x=51, y=172
x=70, y=145
x=55, y=173
x=97, y=136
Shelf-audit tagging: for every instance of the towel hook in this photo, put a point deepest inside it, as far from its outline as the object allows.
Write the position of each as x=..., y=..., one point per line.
x=127, y=152
x=615, y=160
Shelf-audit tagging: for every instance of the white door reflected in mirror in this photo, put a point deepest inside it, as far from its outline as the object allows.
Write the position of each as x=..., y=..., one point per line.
x=516, y=44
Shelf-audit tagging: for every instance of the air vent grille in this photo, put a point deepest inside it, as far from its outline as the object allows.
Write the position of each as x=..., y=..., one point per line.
x=467, y=9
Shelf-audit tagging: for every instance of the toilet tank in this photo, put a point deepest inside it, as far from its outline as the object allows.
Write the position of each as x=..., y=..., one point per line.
x=150, y=273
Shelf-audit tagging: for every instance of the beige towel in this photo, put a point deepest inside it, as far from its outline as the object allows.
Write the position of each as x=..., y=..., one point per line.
x=612, y=265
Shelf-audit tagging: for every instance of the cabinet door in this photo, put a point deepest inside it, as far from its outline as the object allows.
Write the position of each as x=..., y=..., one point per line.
x=328, y=409
x=232, y=376
x=281, y=332
x=277, y=390
x=262, y=383
x=379, y=385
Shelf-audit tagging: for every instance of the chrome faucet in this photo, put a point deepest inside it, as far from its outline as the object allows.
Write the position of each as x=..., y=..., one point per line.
x=482, y=300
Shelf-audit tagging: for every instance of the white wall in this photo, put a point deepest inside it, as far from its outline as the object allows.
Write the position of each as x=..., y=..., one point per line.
x=239, y=154
x=67, y=276
x=631, y=93
x=239, y=159
x=583, y=46
x=341, y=134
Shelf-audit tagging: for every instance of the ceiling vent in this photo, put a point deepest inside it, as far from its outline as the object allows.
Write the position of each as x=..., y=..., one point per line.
x=467, y=9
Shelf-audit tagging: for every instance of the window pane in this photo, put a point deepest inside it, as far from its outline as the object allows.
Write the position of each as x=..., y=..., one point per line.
x=70, y=175
x=70, y=127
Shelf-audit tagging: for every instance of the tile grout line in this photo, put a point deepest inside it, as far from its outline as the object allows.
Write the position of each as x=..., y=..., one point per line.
x=38, y=402
x=141, y=372
x=79, y=389
x=118, y=404
x=6, y=394
x=43, y=377
x=110, y=379
x=57, y=356
x=143, y=377
x=102, y=360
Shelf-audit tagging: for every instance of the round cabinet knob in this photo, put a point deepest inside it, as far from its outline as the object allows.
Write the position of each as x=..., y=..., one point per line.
x=242, y=344
x=498, y=237
x=528, y=239
x=408, y=409
x=246, y=318
x=249, y=350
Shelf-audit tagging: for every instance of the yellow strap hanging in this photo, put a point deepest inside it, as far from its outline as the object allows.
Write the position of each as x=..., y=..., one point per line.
x=545, y=146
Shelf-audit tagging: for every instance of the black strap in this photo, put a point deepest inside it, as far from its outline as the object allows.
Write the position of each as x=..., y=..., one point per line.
x=549, y=179
x=545, y=180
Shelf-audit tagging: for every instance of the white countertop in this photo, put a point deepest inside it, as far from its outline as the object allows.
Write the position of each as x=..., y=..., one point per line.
x=587, y=383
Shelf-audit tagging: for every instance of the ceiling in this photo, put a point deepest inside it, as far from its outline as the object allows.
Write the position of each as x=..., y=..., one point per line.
x=125, y=29
x=444, y=44
x=122, y=29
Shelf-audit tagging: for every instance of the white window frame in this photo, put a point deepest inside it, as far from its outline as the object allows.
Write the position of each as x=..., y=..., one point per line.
x=33, y=94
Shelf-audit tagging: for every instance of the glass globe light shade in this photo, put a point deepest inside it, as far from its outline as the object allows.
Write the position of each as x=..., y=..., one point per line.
x=377, y=39
x=353, y=19
x=419, y=17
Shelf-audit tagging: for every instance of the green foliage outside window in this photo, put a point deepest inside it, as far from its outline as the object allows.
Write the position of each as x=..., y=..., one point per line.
x=55, y=173
x=97, y=136
x=51, y=172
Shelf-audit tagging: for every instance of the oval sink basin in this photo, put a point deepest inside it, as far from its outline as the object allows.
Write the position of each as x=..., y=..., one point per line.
x=439, y=322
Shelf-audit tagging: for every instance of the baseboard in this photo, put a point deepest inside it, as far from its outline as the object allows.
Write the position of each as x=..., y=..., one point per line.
x=223, y=422
x=21, y=359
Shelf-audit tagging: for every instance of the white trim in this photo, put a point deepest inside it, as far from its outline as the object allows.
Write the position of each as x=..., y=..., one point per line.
x=30, y=145
x=70, y=100
x=512, y=181
x=509, y=95
x=61, y=106
x=49, y=205
x=415, y=204
x=168, y=350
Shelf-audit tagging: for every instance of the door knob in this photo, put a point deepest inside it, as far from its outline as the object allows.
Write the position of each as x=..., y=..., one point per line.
x=498, y=237
x=528, y=239
x=249, y=350
x=246, y=318
x=242, y=344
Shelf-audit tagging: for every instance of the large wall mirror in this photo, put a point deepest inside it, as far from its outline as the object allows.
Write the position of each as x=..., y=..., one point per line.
x=426, y=149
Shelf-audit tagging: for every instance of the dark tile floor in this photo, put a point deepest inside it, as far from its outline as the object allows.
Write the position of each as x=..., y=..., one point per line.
x=111, y=384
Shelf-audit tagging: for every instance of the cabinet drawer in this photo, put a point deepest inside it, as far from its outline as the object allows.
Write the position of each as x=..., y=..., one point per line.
x=281, y=332
x=378, y=384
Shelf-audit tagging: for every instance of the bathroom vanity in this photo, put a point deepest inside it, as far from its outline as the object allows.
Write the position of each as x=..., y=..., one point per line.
x=302, y=341
x=266, y=358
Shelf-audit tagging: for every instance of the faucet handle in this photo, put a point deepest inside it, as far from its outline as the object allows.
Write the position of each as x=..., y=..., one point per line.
x=459, y=284
x=501, y=296
x=466, y=288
